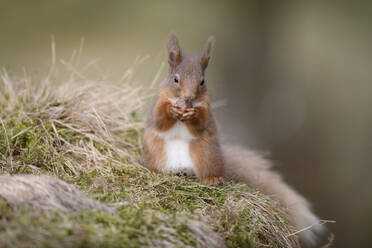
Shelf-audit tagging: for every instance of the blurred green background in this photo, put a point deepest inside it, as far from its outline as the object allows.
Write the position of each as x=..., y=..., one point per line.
x=296, y=77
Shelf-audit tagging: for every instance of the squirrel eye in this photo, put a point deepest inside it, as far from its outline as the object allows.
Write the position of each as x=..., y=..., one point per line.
x=176, y=79
x=202, y=82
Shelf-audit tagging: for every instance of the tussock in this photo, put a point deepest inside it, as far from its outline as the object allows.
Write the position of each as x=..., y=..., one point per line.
x=82, y=122
x=88, y=133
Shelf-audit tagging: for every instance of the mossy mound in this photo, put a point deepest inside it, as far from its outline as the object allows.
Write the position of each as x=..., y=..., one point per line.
x=89, y=134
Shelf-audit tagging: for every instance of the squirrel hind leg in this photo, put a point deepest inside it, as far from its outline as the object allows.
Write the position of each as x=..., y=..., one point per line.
x=213, y=181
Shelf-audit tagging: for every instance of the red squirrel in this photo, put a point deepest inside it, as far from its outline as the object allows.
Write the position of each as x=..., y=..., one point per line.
x=181, y=137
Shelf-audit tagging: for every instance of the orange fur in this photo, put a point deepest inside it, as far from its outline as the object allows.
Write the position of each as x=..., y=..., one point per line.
x=153, y=153
x=162, y=116
x=206, y=155
x=197, y=125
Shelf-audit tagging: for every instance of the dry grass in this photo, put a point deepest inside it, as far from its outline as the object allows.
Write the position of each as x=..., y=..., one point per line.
x=86, y=122
x=88, y=133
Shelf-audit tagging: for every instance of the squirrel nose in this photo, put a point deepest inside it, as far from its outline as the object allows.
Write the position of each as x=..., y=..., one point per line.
x=188, y=95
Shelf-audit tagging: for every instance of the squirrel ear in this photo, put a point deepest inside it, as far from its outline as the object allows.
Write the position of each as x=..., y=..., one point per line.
x=174, y=50
x=207, y=52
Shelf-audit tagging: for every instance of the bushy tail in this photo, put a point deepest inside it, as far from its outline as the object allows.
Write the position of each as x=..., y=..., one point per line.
x=251, y=168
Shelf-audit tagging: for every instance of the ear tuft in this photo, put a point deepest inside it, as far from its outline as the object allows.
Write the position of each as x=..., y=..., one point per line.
x=207, y=52
x=174, y=50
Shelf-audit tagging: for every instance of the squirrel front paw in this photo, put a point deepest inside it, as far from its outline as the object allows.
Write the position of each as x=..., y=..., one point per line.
x=189, y=114
x=213, y=181
x=175, y=112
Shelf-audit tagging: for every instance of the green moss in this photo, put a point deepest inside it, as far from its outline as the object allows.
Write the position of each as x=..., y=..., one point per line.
x=149, y=201
x=129, y=227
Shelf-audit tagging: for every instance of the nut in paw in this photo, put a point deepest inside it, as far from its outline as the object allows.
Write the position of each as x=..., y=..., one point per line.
x=184, y=104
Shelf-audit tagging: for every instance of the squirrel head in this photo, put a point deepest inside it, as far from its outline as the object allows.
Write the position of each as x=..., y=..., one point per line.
x=185, y=78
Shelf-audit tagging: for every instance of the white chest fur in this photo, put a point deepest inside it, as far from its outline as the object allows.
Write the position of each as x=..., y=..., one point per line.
x=177, y=149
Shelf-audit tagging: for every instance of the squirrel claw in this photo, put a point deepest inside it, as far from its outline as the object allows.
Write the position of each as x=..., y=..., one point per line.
x=213, y=181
